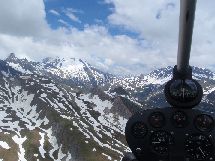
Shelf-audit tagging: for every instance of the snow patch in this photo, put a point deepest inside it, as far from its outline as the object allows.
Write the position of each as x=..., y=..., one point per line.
x=4, y=145
x=109, y=158
x=19, y=68
x=19, y=140
x=41, y=148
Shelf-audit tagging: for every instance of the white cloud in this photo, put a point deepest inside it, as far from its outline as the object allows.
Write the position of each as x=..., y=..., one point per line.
x=23, y=18
x=54, y=12
x=64, y=22
x=75, y=10
x=28, y=35
x=73, y=17
x=94, y=44
x=70, y=12
x=142, y=16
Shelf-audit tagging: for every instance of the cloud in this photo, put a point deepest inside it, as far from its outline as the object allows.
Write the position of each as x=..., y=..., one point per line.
x=54, y=12
x=70, y=12
x=75, y=10
x=64, y=22
x=25, y=18
x=141, y=16
x=73, y=17
x=157, y=23
x=94, y=44
x=29, y=35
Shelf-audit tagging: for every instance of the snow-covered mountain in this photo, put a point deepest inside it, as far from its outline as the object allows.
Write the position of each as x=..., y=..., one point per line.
x=69, y=71
x=67, y=110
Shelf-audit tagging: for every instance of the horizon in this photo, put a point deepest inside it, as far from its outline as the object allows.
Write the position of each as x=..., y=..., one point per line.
x=112, y=35
x=117, y=75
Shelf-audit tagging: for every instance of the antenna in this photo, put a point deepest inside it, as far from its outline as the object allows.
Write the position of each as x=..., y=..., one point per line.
x=187, y=16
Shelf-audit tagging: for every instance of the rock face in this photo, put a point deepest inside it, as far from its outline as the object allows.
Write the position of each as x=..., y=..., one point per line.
x=67, y=110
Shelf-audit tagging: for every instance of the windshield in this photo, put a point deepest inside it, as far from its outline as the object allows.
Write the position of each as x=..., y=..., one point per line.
x=73, y=72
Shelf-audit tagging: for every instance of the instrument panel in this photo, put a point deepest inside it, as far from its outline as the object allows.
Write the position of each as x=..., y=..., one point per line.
x=170, y=134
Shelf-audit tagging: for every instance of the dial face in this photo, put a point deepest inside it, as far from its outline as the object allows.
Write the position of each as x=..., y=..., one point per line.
x=204, y=122
x=179, y=119
x=183, y=90
x=199, y=147
x=139, y=130
x=160, y=142
x=157, y=120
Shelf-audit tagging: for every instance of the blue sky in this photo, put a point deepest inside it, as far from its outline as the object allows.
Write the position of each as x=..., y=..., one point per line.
x=119, y=36
x=88, y=12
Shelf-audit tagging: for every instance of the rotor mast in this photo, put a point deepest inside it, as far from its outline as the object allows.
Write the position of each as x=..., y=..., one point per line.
x=187, y=16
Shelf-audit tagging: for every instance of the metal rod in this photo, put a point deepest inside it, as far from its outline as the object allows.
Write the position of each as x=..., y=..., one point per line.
x=187, y=16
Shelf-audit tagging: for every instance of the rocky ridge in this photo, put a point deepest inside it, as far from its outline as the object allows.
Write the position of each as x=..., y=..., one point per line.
x=66, y=109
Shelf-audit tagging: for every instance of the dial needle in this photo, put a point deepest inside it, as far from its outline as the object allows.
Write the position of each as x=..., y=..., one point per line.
x=183, y=93
x=202, y=151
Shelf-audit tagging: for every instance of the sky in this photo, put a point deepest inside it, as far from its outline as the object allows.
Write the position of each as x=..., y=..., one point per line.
x=117, y=36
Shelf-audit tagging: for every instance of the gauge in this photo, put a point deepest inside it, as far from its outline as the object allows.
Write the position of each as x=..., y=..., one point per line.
x=161, y=141
x=185, y=93
x=179, y=119
x=204, y=122
x=139, y=130
x=157, y=120
x=199, y=147
x=183, y=90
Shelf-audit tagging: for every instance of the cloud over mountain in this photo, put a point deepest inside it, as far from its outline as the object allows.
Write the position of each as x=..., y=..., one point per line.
x=25, y=30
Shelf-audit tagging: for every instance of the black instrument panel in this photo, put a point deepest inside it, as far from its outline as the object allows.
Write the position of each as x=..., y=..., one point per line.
x=171, y=134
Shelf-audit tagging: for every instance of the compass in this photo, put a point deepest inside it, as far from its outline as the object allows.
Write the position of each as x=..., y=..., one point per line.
x=185, y=93
x=183, y=90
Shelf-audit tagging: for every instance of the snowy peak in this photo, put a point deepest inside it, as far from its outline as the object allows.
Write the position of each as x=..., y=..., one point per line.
x=7, y=70
x=161, y=73
x=75, y=69
x=79, y=73
x=61, y=62
x=11, y=57
x=70, y=67
x=201, y=73
x=70, y=70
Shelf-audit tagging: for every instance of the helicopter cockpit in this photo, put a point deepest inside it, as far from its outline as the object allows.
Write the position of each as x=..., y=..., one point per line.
x=181, y=132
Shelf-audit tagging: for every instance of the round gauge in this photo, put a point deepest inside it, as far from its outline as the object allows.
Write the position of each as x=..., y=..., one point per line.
x=198, y=147
x=160, y=142
x=204, y=122
x=179, y=119
x=157, y=120
x=185, y=93
x=183, y=90
x=139, y=130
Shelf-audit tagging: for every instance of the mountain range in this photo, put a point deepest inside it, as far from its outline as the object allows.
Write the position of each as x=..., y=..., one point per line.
x=67, y=110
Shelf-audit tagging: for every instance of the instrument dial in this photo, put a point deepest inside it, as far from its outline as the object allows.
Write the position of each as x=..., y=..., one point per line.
x=139, y=130
x=183, y=90
x=199, y=147
x=183, y=93
x=179, y=119
x=204, y=122
x=157, y=120
x=160, y=142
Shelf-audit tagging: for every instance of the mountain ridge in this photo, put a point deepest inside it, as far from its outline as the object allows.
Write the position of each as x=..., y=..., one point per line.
x=47, y=114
